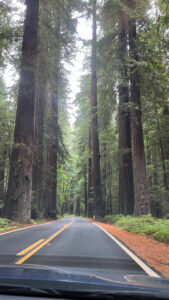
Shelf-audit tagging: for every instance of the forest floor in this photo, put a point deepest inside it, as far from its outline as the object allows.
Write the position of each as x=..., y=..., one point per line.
x=155, y=254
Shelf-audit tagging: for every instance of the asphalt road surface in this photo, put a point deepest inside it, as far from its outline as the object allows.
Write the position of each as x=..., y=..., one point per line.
x=68, y=244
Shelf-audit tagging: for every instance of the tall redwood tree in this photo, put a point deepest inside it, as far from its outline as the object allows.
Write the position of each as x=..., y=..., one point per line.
x=97, y=187
x=51, y=184
x=142, y=201
x=18, y=197
x=50, y=197
x=41, y=95
x=126, y=188
x=90, y=204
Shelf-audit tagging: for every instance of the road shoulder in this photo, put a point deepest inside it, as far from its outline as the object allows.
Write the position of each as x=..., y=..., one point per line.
x=155, y=254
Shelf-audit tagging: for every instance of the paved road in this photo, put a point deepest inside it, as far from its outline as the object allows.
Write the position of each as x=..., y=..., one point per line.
x=66, y=244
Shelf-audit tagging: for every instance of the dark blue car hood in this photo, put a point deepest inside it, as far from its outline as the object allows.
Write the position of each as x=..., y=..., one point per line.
x=49, y=274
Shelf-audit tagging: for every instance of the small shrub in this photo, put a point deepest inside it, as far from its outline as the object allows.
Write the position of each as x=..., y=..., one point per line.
x=112, y=219
x=6, y=224
x=167, y=217
x=38, y=221
x=161, y=236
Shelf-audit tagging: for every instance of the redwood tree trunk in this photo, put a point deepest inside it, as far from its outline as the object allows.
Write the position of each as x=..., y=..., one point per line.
x=50, y=201
x=142, y=202
x=108, y=188
x=97, y=187
x=2, y=173
x=162, y=152
x=85, y=188
x=78, y=210
x=166, y=138
x=37, y=187
x=104, y=175
x=126, y=188
x=18, y=197
x=90, y=184
x=51, y=184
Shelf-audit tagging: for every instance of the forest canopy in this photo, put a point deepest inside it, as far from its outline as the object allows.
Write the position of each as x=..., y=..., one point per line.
x=114, y=158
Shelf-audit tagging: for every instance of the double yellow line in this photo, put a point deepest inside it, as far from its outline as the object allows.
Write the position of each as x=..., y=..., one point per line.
x=40, y=244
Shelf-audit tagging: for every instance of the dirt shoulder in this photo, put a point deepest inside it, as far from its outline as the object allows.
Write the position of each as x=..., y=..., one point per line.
x=154, y=253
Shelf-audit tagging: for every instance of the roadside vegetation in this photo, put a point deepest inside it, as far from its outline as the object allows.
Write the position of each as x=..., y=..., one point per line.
x=158, y=229
x=38, y=221
x=6, y=224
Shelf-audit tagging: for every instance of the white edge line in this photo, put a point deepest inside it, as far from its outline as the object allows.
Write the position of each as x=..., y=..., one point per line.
x=147, y=269
x=27, y=227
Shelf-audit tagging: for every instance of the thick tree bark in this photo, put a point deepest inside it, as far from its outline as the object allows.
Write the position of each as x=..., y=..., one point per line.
x=142, y=202
x=126, y=187
x=51, y=184
x=90, y=182
x=37, y=187
x=162, y=152
x=97, y=187
x=18, y=197
x=108, y=188
x=2, y=174
x=85, y=188
x=50, y=201
x=78, y=210
x=104, y=175
x=166, y=138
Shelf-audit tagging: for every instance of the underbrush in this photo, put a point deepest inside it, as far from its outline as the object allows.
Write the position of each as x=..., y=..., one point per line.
x=155, y=228
x=6, y=224
x=38, y=221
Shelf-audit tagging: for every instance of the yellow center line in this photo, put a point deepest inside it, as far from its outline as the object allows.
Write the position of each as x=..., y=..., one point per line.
x=23, y=259
x=30, y=248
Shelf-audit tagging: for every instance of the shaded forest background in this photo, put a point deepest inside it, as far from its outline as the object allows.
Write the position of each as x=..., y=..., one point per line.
x=115, y=158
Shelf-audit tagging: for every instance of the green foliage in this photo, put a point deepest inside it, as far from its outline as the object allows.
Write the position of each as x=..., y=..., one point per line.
x=38, y=221
x=112, y=219
x=73, y=152
x=6, y=224
x=34, y=211
x=155, y=228
x=162, y=234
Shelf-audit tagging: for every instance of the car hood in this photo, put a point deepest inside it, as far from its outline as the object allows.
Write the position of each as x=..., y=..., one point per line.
x=33, y=274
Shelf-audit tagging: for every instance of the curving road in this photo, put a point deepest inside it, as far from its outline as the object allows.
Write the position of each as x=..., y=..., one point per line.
x=68, y=244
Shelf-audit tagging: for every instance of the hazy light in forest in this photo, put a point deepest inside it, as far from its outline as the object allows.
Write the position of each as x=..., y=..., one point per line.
x=18, y=13
x=84, y=31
